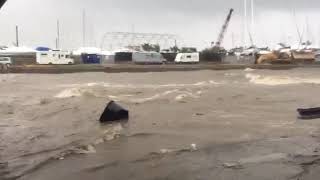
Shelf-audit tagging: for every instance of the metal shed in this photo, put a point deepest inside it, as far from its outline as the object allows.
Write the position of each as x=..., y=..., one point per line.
x=91, y=58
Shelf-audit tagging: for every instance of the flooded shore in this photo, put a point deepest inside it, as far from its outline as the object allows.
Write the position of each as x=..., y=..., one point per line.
x=135, y=68
x=188, y=121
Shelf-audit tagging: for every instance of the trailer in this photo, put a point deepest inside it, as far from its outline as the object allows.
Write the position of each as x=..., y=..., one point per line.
x=54, y=57
x=187, y=58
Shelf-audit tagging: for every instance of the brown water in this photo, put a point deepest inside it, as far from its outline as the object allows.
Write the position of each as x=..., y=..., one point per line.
x=44, y=116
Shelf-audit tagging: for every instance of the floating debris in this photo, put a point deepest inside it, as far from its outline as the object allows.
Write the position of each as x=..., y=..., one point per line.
x=193, y=147
x=114, y=112
x=311, y=113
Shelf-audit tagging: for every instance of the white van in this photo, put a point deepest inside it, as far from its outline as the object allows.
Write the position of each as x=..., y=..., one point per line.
x=54, y=57
x=187, y=58
x=147, y=58
x=6, y=61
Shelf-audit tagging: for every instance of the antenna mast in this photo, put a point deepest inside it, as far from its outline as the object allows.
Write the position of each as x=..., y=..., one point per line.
x=84, y=28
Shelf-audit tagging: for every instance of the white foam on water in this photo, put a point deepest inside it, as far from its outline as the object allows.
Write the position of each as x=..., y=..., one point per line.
x=186, y=95
x=180, y=95
x=154, y=97
x=279, y=80
x=152, y=86
x=199, y=92
x=67, y=93
x=249, y=70
x=78, y=90
x=113, y=132
x=177, y=94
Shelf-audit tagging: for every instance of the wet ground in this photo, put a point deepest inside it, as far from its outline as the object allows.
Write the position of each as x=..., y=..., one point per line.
x=235, y=124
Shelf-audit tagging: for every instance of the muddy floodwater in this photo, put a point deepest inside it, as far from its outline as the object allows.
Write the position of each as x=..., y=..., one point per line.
x=232, y=124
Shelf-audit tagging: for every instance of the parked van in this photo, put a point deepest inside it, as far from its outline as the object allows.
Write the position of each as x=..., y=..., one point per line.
x=6, y=61
x=187, y=58
x=54, y=57
x=147, y=58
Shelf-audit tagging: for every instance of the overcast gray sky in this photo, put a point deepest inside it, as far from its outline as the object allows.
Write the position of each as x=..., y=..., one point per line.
x=197, y=22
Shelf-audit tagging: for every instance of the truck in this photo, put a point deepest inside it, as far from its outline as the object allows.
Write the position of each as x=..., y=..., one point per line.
x=147, y=58
x=6, y=61
x=54, y=57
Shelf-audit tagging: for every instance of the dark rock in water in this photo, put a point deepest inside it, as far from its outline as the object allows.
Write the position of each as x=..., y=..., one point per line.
x=114, y=112
x=311, y=113
x=199, y=114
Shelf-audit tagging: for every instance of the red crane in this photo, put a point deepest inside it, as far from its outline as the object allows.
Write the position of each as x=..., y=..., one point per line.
x=224, y=29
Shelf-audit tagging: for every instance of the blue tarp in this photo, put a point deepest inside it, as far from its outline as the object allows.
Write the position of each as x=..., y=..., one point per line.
x=43, y=49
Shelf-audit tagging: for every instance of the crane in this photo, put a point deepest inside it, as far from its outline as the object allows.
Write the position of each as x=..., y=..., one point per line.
x=224, y=29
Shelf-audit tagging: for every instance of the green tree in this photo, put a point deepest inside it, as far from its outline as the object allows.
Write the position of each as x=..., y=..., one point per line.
x=214, y=54
x=151, y=47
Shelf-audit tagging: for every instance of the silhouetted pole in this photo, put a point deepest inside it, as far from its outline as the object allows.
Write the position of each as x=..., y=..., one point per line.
x=17, y=36
x=84, y=28
x=58, y=35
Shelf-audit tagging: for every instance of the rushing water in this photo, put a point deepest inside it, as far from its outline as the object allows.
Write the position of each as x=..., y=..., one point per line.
x=45, y=116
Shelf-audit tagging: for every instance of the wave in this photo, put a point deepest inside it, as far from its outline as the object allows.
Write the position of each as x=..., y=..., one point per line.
x=127, y=93
x=143, y=86
x=174, y=94
x=25, y=164
x=279, y=80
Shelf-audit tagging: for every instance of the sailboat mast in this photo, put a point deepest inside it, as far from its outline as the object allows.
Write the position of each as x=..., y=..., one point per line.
x=297, y=27
x=252, y=18
x=58, y=35
x=245, y=24
x=84, y=28
x=308, y=33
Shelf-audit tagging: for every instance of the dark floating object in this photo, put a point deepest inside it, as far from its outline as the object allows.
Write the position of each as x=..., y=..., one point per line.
x=311, y=113
x=114, y=112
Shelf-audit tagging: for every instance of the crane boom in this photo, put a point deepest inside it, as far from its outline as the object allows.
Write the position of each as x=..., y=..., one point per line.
x=224, y=29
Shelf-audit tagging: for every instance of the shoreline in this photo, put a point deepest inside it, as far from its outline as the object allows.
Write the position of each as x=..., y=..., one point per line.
x=133, y=68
